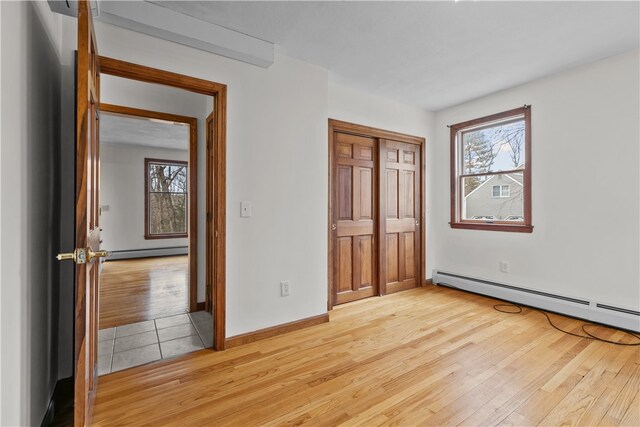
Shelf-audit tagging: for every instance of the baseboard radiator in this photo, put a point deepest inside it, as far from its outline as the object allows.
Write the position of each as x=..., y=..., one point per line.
x=147, y=253
x=592, y=311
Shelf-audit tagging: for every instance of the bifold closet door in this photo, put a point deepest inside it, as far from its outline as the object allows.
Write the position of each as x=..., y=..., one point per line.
x=400, y=213
x=355, y=212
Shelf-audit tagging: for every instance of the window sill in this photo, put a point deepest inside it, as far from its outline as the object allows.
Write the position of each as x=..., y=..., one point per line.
x=165, y=236
x=493, y=227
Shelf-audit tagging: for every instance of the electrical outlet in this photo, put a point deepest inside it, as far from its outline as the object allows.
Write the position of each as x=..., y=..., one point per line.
x=504, y=266
x=284, y=288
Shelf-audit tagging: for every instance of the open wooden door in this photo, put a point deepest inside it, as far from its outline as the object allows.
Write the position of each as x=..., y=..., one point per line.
x=87, y=252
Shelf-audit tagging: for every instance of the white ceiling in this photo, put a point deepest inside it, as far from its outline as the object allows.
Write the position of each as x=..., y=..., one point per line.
x=433, y=54
x=118, y=129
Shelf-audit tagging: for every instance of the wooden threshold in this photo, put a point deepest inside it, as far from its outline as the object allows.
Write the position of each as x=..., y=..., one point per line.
x=273, y=331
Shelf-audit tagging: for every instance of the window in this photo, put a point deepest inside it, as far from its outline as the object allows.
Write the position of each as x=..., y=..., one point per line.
x=501, y=190
x=166, y=195
x=491, y=172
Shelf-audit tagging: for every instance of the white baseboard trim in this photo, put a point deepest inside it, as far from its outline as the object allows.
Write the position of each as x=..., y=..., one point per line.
x=147, y=253
x=581, y=308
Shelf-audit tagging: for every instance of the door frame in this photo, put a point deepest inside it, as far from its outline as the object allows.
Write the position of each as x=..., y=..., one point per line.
x=215, y=185
x=209, y=138
x=192, y=122
x=377, y=134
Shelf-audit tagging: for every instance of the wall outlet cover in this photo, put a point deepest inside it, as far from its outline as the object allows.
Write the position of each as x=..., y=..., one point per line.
x=285, y=288
x=245, y=209
x=504, y=266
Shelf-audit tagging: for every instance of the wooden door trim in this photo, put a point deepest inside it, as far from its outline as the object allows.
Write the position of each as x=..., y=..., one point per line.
x=371, y=132
x=382, y=223
x=192, y=122
x=209, y=229
x=129, y=70
x=261, y=334
x=215, y=179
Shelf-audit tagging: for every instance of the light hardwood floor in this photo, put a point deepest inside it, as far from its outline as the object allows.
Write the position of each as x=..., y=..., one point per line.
x=428, y=356
x=143, y=289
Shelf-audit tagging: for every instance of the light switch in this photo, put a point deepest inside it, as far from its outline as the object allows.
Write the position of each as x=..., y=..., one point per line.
x=245, y=209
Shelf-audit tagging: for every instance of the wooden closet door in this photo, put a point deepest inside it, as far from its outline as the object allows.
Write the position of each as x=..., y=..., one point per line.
x=400, y=210
x=354, y=216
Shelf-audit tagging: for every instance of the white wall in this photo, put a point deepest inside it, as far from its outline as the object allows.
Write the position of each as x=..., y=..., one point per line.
x=276, y=158
x=29, y=176
x=358, y=107
x=585, y=143
x=122, y=189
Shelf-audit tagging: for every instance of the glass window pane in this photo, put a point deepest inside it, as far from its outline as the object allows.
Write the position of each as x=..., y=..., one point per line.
x=493, y=197
x=167, y=213
x=167, y=178
x=496, y=148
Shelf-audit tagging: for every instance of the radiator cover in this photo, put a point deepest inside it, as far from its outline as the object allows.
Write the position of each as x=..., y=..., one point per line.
x=592, y=311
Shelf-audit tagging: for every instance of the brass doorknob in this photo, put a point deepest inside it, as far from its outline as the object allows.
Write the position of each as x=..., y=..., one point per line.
x=66, y=255
x=97, y=254
x=81, y=256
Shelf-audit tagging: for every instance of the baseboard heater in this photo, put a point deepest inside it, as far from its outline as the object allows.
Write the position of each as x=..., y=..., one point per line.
x=592, y=311
x=147, y=253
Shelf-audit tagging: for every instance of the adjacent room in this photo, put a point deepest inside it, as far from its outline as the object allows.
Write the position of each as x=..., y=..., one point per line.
x=153, y=300
x=320, y=213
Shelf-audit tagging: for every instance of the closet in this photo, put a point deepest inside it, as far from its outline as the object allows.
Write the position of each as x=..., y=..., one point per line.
x=376, y=239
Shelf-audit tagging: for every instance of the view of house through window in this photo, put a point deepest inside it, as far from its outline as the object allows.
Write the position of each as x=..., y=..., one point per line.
x=491, y=168
x=501, y=190
x=166, y=198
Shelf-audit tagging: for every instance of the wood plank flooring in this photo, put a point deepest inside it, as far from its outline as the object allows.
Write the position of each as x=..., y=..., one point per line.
x=142, y=289
x=427, y=356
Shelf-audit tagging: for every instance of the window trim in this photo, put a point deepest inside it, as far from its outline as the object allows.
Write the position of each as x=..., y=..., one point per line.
x=147, y=233
x=456, y=201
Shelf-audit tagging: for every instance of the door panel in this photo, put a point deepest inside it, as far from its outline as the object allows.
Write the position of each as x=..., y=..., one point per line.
x=400, y=196
x=87, y=217
x=345, y=257
x=355, y=216
x=366, y=197
x=366, y=257
x=392, y=257
x=345, y=188
x=392, y=194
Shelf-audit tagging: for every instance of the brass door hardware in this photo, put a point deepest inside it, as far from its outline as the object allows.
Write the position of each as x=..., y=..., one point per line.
x=96, y=254
x=82, y=256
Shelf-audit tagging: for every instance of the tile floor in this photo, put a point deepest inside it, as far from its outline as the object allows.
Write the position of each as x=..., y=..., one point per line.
x=131, y=345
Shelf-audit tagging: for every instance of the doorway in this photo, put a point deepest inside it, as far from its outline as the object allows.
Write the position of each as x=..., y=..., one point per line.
x=376, y=212
x=89, y=70
x=150, y=307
